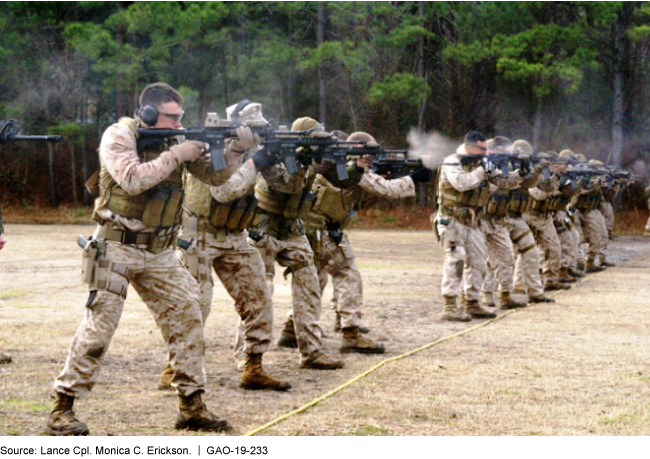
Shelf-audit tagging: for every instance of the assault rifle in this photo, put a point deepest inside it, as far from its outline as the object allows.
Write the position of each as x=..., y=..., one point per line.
x=9, y=133
x=339, y=153
x=216, y=131
x=394, y=164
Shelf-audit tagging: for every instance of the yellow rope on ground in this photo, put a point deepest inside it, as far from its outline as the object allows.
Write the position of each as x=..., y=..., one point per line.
x=384, y=362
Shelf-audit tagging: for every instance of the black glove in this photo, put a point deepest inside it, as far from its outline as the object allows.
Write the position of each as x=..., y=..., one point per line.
x=420, y=175
x=336, y=235
x=524, y=168
x=263, y=158
x=564, y=180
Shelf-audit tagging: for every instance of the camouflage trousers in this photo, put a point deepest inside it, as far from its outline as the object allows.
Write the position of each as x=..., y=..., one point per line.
x=239, y=267
x=563, y=226
x=593, y=228
x=501, y=262
x=296, y=255
x=465, y=259
x=170, y=293
x=607, y=211
x=523, y=240
x=337, y=260
x=549, y=242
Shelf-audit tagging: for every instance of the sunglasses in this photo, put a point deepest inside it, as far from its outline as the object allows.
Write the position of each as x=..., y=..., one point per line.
x=174, y=116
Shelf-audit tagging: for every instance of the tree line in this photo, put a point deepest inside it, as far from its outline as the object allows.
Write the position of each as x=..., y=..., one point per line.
x=559, y=74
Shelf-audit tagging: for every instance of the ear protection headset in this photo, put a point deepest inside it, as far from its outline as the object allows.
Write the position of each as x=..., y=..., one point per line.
x=240, y=106
x=149, y=115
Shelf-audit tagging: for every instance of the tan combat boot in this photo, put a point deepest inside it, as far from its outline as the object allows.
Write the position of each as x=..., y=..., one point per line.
x=354, y=342
x=540, y=299
x=165, y=380
x=565, y=276
x=555, y=285
x=194, y=415
x=254, y=377
x=318, y=360
x=590, y=267
x=507, y=302
x=62, y=420
x=575, y=273
x=4, y=359
x=476, y=311
x=487, y=299
x=605, y=263
x=450, y=312
x=288, y=336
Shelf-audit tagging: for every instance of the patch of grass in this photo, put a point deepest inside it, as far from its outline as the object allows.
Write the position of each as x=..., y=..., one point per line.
x=622, y=419
x=47, y=215
x=13, y=294
x=368, y=431
x=638, y=376
x=22, y=404
x=14, y=433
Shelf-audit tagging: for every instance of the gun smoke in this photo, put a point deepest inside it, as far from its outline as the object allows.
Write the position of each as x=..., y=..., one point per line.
x=430, y=148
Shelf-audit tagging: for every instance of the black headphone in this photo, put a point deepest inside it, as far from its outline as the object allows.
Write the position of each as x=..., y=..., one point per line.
x=240, y=106
x=149, y=115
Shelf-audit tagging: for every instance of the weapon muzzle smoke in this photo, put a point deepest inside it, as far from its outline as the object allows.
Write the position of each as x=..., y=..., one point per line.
x=430, y=148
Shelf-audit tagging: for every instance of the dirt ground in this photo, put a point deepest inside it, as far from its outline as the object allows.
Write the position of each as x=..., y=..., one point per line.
x=576, y=367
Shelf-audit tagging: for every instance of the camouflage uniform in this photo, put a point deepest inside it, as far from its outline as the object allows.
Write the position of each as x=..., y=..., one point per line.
x=539, y=219
x=216, y=218
x=591, y=220
x=333, y=209
x=284, y=241
x=137, y=232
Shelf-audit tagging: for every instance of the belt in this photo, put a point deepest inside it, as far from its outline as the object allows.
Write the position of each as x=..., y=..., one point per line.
x=129, y=237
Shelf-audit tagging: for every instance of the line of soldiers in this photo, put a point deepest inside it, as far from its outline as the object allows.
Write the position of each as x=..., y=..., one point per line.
x=520, y=233
x=148, y=190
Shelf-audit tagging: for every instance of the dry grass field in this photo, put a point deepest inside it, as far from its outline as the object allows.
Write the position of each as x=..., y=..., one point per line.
x=576, y=367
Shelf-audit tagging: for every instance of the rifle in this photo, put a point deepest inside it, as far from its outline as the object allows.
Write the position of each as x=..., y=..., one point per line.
x=9, y=133
x=214, y=133
x=394, y=164
x=339, y=152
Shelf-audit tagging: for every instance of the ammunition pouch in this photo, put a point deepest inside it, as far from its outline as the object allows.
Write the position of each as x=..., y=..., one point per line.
x=498, y=203
x=558, y=203
x=519, y=202
x=337, y=205
x=463, y=215
x=538, y=208
x=587, y=202
x=477, y=197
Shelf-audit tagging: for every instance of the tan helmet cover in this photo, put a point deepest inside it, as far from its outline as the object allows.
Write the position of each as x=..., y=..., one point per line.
x=566, y=153
x=306, y=123
x=521, y=147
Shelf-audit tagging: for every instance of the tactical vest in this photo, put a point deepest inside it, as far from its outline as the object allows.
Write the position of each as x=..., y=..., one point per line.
x=588, y=202
x=159, y=207
x=537, y=207
x=498, y=203
x=287, y=205
x=519, y=201
x=559, y=202
x=450, y=197
x=213, y=215
x=332, y=204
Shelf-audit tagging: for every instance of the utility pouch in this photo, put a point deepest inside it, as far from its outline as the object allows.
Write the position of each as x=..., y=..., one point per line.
x=194, y=259
x=111, y=277
x=238, y=208
x=492, y=206
x=292, y=206
x=248, y=217
x=153, y=209
x=306, y=204
x=220, y=214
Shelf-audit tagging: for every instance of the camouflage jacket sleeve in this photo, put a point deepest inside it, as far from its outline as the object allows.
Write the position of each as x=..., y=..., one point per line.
x=354, y=176
x=202, y=169
x=531, y=180
x=544, y=188
x=280, y=180
x=459, y=179
x=237, y=185
x=393, y=189
x=119, y=154
x=513, y=180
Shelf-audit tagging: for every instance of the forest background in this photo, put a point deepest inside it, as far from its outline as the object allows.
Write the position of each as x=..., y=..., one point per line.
x=559, y=74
